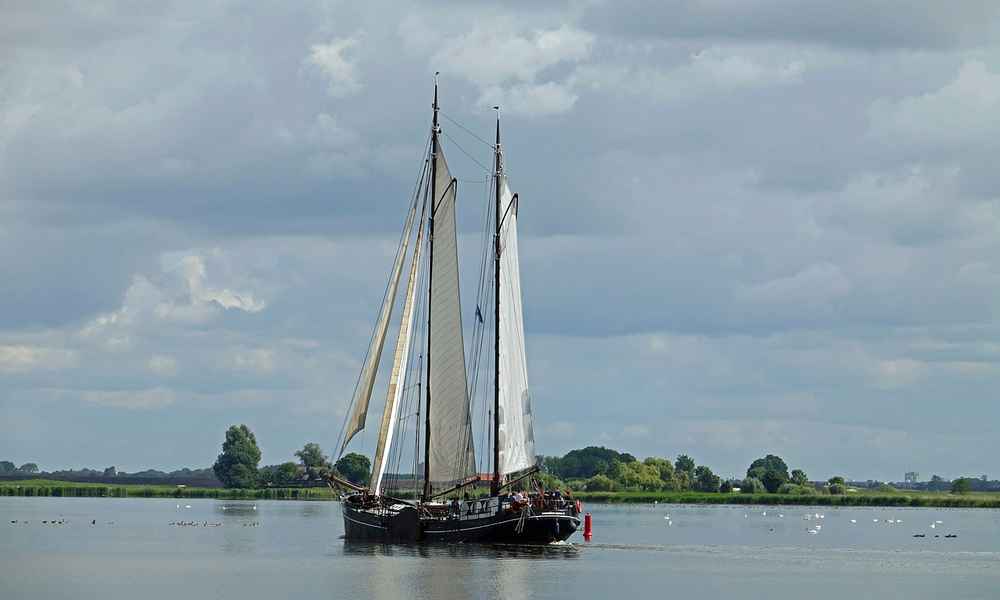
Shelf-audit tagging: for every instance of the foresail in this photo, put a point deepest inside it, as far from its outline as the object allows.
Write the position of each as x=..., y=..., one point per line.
x=397, y=380
x=517, y=438
x=451, y=455
x=363, y=392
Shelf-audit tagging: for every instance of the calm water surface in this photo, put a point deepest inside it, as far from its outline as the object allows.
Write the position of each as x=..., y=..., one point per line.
x=288, y=549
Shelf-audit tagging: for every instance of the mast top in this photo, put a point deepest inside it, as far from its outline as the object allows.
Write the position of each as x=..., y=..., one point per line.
x=496, y=147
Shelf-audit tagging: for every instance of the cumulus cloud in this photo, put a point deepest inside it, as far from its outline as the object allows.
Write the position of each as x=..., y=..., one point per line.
x=23, y=358
x=339, y=69
x=513, y=69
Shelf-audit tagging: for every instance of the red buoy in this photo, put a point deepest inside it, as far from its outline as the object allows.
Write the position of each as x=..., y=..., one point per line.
x=588, y=526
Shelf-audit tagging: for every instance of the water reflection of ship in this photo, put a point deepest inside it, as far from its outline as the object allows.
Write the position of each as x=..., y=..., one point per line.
x=429, y=364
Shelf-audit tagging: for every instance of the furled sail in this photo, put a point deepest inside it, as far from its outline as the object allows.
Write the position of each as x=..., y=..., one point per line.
x=363, y=392
x=451, y=452
x=397, y=380
x=517, y=438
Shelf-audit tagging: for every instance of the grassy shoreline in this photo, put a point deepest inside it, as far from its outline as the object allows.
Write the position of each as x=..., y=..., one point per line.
x=918, y=499
x=68, y=489
x=72, y=489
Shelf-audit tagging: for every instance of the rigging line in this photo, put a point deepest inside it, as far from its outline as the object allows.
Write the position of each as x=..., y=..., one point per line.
x=385, y=294
x=466, y=152
x=466, y=129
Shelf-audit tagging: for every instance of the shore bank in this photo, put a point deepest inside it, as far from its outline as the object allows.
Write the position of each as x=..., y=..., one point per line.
x=932, y=499
x=51, y=488
x=68, y=489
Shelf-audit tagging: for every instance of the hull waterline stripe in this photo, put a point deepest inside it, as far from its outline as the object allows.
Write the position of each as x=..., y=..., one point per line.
x=440, y=531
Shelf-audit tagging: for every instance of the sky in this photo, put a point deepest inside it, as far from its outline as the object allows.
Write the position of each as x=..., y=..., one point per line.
x=747, y=227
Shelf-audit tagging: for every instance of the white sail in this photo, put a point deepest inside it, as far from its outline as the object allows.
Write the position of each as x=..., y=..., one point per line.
x=363, y=392
x=517, y=438
x=451, y=451
x=397, y=380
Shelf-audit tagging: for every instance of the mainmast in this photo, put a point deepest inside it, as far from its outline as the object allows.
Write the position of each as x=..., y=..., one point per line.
x=430, y=279
x=495, y=486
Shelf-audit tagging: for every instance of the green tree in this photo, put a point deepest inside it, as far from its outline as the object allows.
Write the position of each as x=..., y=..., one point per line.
x=236, y=467
x=798, y=490
x=7, y=467
x=278, y=475
x=28, y=468
x=752, y=485
x=355, y=468
x=705, y=480
x=663, y=467
x=685, y=463
x=586, y=462
x=837, y=480
x=937, y=483
x=682, y=481
x=726, y=487
x=550, y=481
x=799, y=477
x=770, y=470
x=315, y=463
x=600, y=483
x=962, y=485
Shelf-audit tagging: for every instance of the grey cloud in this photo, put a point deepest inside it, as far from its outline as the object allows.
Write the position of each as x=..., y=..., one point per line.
x=871, y=24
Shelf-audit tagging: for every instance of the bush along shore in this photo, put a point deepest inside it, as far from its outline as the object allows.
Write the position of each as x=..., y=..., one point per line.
x=81, y=490
x=943, y=499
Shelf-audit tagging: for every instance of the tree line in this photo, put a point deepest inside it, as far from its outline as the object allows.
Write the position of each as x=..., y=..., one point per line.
x=599, y=469
x=237, y=466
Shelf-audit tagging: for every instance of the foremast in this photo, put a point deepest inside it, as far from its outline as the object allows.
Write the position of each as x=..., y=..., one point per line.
x=430, y=280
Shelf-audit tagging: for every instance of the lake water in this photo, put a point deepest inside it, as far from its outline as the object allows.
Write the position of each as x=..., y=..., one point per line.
x=293, y=549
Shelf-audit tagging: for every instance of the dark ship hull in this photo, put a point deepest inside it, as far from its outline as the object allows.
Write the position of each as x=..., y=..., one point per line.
x=485, y=521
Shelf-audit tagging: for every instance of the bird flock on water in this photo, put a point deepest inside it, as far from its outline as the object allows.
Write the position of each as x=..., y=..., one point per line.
x=815, y=523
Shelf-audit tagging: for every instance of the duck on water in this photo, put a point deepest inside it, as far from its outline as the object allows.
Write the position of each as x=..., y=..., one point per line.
x=429, y=391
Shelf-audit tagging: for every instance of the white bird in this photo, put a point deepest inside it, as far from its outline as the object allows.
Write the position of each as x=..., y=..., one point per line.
x=874, y=520
x=891, y=521
x=819, y=527
x=781, y=516
x=854, y=520
x=939, y=522
x=187, y=506
x=933, y=525
x=763, y=514
x=812, y=531
x=822, y=516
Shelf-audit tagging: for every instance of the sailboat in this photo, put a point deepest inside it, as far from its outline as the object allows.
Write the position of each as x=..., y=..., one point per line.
x=429, y=374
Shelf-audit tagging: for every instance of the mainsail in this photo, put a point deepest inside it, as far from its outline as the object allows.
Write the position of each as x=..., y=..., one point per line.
x=397, y=380
x=363, y=392
x=516, y=436
x=451, y=455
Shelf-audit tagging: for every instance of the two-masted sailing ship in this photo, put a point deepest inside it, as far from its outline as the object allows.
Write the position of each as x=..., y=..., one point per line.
x=429, y=385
